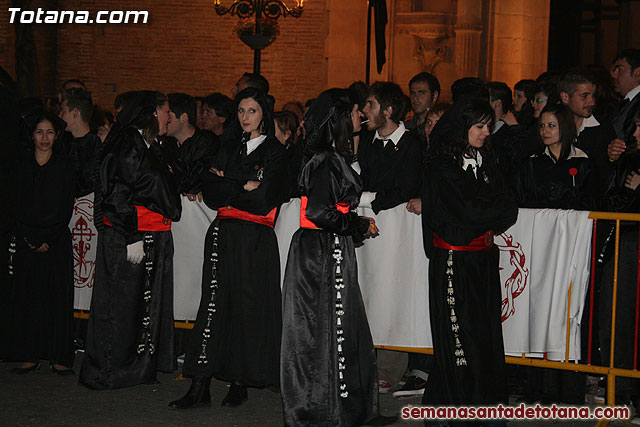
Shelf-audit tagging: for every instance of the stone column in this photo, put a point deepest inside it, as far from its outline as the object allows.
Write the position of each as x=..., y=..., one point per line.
x=468, y=31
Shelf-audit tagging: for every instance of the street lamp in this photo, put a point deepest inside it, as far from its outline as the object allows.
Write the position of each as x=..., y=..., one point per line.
x=261, y=33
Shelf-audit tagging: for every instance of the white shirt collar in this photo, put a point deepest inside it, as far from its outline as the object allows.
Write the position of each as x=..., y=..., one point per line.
x=574, y=153
x=474, y=163
x=394, y=137
x=497, y=126
x=589, y=122
x=632, y=93
x=145, y=141
x=254, y=143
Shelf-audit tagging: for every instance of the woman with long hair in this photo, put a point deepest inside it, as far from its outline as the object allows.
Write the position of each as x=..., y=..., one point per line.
x=328, y=364
x=130, y=332
x=41, y=261
x=236, y=337
x=561, y=177
x=465, y=203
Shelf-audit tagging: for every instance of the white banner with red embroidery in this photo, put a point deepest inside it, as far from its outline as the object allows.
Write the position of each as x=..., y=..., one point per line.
x=541, y=256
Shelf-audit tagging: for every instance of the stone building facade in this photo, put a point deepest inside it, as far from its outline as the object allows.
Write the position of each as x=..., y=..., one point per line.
x=186, y=47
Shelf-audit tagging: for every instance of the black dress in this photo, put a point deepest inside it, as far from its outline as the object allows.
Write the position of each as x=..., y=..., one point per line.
x=328, y=364
x=42, y=300
x=239, y=322
x=543, y=182
x=130, y=332
x=464, y=286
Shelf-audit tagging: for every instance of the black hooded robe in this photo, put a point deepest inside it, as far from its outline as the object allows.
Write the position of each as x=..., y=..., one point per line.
x=237, y=332
x=465, y=317
x=314, y=356
x=130, y=331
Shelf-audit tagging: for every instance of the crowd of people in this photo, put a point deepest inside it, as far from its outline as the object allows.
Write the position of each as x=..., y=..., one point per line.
x=565, y=141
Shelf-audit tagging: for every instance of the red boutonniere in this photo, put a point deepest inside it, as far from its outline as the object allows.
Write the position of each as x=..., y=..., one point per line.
x=573, y=172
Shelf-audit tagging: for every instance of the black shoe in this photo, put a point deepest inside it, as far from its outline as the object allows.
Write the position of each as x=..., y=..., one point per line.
x=237, y=395
x=197, y=396
x=63, y=372
x=22, y=371
x=413, y=387
x=382, y=420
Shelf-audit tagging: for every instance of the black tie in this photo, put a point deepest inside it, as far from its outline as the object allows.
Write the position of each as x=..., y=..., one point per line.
x=470, y=170
x=243, y=149
x=624, y=103
x=389, y=146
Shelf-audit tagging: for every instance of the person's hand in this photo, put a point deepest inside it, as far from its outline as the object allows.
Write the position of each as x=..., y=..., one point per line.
x=509, y=118
x=373, y=230
x=415, y=206
x=216, y=171
x=103, y=131
x=251, y=185
x=43, y=248
x=135, y=252
x=632, y=181
x=194, y=197
x=615, y=149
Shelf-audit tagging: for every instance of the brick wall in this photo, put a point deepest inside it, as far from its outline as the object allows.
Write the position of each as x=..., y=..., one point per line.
x=186, y=47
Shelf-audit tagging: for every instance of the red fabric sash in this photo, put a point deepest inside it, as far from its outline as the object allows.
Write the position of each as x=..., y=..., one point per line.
x=305, y=222
x=231, y=212
x=479, y=244
x=148, y=220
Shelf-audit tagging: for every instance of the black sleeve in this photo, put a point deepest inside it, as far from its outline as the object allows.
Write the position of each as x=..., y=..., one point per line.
x=228, y=190
x=322, y=193
x=406, y=179
x=459, y=209
x=87, y=161
x=201, y=157
x=118, y=176
x=273, y=189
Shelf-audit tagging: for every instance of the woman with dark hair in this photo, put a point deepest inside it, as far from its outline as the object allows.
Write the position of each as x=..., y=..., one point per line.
x=130, y=332
x=562, y=176
x=328, y=364
x=544, y=94
x=236, y=337
x=464, y=204
x=41, y=261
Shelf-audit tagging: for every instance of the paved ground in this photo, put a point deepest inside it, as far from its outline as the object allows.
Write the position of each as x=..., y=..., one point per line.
x=42, y=398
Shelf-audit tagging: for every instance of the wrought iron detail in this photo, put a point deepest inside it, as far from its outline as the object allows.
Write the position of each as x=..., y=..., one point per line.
x=272, y=9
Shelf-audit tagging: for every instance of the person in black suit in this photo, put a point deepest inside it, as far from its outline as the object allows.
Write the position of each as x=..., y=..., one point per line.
x=625, y=73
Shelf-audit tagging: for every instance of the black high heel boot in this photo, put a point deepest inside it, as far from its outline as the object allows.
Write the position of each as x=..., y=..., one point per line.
x=237, y=395
x=22, y=371
x=197, y=396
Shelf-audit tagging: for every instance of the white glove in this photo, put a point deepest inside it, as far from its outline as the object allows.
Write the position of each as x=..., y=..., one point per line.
x=366, y=199
x=135, y=252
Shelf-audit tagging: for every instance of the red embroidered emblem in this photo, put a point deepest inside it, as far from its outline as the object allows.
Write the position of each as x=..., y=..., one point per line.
x=82, y=235
x=517, y=281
